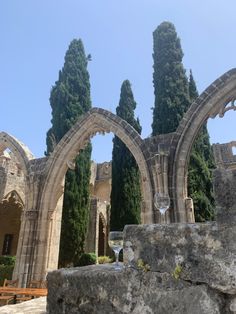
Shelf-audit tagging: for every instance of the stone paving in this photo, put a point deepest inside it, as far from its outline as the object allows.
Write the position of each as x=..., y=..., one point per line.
x=36, y=306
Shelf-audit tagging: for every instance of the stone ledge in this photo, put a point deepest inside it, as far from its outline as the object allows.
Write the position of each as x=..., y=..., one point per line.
x=206, y=252
x=103, y=290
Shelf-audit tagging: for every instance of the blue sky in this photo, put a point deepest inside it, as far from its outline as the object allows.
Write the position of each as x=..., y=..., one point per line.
x=118, y=34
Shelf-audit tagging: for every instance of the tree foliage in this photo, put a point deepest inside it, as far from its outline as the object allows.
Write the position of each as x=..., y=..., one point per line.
x=201, y=164
x=169, y=80
x=126, y=193
x=70, y=98
x=173, y=96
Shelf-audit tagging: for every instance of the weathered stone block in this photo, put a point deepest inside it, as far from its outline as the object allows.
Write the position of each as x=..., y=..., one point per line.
x=206, y=253
x=103, y=290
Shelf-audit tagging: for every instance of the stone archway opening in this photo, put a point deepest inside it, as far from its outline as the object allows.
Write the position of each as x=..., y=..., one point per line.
x=217, y=99
x=96, y=121
x=12, y=194
x=204, y=161
x=11, y=208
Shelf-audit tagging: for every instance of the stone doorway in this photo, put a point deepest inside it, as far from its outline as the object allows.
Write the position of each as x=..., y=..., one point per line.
x=10, y=212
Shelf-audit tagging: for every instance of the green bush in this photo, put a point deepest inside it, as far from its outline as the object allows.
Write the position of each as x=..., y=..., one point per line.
x=5, y=272
x=86, y=259
x=7, y=260
x=104, y=259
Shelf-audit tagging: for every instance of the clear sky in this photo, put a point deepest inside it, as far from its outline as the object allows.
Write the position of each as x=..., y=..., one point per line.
x=118, y=34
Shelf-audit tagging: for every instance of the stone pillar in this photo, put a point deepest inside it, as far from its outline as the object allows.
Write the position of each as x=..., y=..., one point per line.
x=159, y=168
x=25, y=249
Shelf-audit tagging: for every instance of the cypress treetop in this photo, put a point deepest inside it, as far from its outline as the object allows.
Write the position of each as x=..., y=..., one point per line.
x=70, y=96
x=169, y=80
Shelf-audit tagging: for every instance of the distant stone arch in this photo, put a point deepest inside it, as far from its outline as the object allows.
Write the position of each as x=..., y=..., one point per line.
x=11, y=207
x=21, y=152
x=14, y=198
x=95, y=121
x=218, y=98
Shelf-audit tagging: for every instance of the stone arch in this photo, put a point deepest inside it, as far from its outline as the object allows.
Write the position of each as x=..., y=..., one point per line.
x=97, y=120
x=14, y=197
x=11, y=208
x=218, y=98
x=22, y=152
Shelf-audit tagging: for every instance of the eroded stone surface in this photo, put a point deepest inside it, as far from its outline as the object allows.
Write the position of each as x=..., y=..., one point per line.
x=103, y=290
x=206, y=253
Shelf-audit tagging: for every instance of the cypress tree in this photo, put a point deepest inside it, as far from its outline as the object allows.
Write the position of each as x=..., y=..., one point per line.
x=126, y=192
x=201, y=164
x=169, y=80
x=70, y=98
x=173, y=96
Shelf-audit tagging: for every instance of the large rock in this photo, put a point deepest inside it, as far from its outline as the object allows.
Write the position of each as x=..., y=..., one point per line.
x=103, y=290
x=201, y=253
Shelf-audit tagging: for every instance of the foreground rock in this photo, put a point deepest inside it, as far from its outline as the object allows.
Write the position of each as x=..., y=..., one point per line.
x=174, y=269
x=36, y=306
x=103, y=290
x=200, y=253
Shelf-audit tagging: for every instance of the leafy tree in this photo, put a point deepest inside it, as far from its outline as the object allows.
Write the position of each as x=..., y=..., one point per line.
x=126, y=193
x=70, y=98
x=200, y=169
x=173, y=96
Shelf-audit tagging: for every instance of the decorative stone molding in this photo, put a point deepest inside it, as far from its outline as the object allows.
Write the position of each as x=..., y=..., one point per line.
x=230, y=105
x=30, y=214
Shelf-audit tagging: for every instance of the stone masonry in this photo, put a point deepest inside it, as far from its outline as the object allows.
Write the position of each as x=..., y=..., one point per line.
x=162, y=161
x=174, y=268
x=169, y=269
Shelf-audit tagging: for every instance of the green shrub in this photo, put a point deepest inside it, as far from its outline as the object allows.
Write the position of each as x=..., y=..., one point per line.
x=7, y=260
x=86, y=259
x=104, y=259
x=5, y=272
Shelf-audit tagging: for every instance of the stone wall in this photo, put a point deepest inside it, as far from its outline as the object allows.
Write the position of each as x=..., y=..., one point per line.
x=223, y=155
x=12, y=176
x=171, y=269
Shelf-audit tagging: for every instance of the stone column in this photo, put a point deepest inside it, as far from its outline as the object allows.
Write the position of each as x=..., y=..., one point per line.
x=160, y=177
x=25, y=249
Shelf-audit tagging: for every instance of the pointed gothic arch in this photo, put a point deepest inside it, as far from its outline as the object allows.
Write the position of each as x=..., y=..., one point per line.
x=21, y=151
x=95, y=121
x=218, y=98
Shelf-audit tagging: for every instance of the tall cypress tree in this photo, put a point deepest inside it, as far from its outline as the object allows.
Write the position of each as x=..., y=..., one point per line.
x=126, y=192
x=169, y=80
x=173, y=96
x=70, y=98
x=201, y=164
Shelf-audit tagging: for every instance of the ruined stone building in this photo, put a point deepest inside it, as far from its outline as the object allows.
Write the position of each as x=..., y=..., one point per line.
x=12, y=203
x=32, y=189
